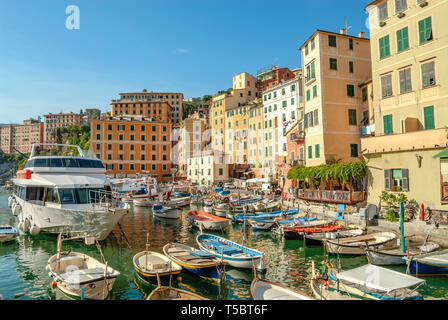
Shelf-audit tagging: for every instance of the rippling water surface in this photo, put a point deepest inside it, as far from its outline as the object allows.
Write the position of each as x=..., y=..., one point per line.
x=22, y=263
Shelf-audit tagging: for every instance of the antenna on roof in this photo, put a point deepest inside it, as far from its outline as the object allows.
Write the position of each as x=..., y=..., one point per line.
x=346, y=25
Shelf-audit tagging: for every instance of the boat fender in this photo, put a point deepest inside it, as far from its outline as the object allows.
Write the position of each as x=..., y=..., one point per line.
x=35, y=230
x=20, y=226
x=16, y=209
x=326, y=284
x=54, y=284
x=26, y=225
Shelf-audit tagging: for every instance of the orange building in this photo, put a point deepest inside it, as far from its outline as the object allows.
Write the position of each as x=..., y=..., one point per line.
x=159, y=111
x=131, y=145
x=54, y=121
x=270, y=77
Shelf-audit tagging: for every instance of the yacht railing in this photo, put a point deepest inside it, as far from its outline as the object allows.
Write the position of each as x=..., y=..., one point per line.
x=104, y=199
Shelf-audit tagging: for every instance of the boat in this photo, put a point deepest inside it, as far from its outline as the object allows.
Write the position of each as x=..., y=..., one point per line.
x=178, y=202
x=165, y=212
x=267, y=223
x=316, y=239
x=321, y=290
x=143, y=202
x=299, y=232
x=221, y=209
x=394, y=255
x=355, y=245
x=79, y=275
x=428, y=264
x=65, y=191
x=375, y=283
x=268, y=290
x=266, y=206
x=150, y=264
x=207, y=221
x=170, y=293
x=198, y=262
x=276, y=214
x=234, y=254
x=8, y=233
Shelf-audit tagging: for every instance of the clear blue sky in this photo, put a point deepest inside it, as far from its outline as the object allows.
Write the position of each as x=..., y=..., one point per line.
x=191, y=46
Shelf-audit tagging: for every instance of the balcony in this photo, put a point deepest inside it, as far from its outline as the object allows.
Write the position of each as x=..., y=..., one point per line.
x=333, y=196
x=297, y=137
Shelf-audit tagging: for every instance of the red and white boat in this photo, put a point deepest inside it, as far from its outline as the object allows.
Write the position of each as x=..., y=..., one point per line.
x=206, y=221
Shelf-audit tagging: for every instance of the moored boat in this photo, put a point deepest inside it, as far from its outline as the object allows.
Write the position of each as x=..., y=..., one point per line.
x=8, y=233
x=356, y=245
x=198, y=262
x=207, y=221
x=165, y=212
x=395, y=256
x=170, y=293
x=429, y=264
x=149, y=264
x=233, y=253
x=268, y=290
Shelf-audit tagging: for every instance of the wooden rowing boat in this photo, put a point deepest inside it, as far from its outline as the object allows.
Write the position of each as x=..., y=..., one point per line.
x=356, y=245
x=170, y=293
x=206, y=221
x=268, y=290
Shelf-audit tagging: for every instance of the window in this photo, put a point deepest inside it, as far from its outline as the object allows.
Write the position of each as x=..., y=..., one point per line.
x=332, y=41
x=364, y=94
x=354, y=150
x=351, y=67
x=400, y=5
x=428, y=74
x=386, y=86
x=425, y=30
x=387, y=124
x=384, y=47
x=350, y=44
x=315, y=91
x=317, y=151
x=352, y=117
x=315, y=116
x=310, y=72
x=429, y=117
x=308, y=95
x=98, y=127
x=402, y=39
x=405, y=81
x=333, y=64
x=350, y=90
x=382, y=11
x=310, y=152
x=396, y=179
x=221, y=171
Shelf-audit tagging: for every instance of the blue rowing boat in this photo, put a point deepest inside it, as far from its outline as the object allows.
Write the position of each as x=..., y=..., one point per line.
x=239, y=218
x=428, y=264
x=234, y=254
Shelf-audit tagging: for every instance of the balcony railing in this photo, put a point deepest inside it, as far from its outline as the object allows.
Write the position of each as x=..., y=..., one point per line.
x=336, y=196
x=297, y=136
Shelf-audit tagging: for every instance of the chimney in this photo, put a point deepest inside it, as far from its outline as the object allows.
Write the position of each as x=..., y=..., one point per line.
x=342, y=31
x=361, y=34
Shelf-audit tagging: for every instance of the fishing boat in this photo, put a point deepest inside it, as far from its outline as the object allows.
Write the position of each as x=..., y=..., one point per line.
x=234, y=254
x=299, y=232
x=170, y=293
x=428, y=264
x=316, y=239
x=221, y=209
x=143, y=202
x=321, y=290
x=67, y=193
x=375, y=283
x=268, y=290
x=201, y=263
x=178, y=202
x=79, y=275
x=207, y=221
x=149, y=264
x=394, y=255
x=165, y=212
x=267, y=206
x=8, y=233
x=355, y=245
x=276, y=214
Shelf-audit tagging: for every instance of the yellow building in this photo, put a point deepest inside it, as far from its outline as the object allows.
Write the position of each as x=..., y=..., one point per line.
x=409, y=41
x=334, y=65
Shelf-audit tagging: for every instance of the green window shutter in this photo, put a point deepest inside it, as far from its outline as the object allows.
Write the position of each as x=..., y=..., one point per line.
x=317, y=151
x=387, y=123
x=403, y=39
x=308, y=95
x=310, y=152
x=387, y=179
x=429, y=117
x=384, y=47
x=354, y=150
x=350, y=90
x=313, y=70
x=425, y=30
x=314, y=91
x=405, y=179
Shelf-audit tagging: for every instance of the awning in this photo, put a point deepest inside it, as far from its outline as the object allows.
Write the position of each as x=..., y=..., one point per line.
x=443, y=154
x=379, y=278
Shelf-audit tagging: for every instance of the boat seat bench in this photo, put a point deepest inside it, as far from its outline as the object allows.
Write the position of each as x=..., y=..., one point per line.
x=222, y=248
x=84, y=275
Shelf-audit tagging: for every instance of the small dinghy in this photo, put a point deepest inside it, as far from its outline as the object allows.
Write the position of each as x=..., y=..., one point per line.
x=395, y=256
x=198, y=262
x=375, y=283
x=146, y=202
x=150, y=265
x=429, y=264
x=207, y=221
x=316, y=239
x=356, y=245
x=268, y=290
x=170, y=293
x=8, y=233
x=79, y=275
x=221, y=209
x=233, y=253
x=165, y=212
x=276, y=214
x=178, y=202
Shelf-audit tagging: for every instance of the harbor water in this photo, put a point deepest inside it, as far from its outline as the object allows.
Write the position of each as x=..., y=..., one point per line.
x=22, y=262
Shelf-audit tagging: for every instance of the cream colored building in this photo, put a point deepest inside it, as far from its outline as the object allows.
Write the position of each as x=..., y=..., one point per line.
x=409, y=42
x=207, y=168
x=334, y=65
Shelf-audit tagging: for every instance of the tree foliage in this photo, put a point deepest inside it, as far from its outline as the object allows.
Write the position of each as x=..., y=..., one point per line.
x=75, y=135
